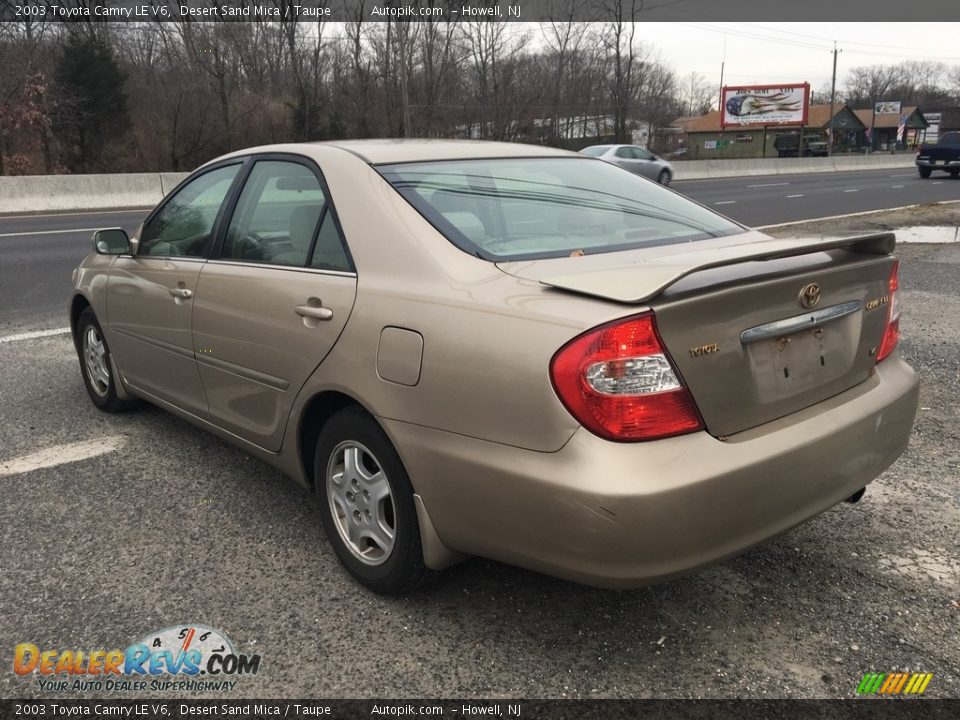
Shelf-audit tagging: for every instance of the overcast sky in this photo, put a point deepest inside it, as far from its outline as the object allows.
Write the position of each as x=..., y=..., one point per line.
x=768, y=53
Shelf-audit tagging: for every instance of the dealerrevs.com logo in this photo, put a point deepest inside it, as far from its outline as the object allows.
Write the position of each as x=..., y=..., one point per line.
x=181, y=657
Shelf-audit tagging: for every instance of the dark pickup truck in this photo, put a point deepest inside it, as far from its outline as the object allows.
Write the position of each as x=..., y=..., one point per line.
x=789, y=146
x=943, y=155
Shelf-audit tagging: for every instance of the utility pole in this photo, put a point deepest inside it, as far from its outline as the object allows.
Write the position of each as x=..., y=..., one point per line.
x=723, y=63
x=833, y=95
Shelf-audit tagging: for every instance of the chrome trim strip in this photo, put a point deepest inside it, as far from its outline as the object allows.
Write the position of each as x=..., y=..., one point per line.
x=790, y=325
x=274, y=383
x=271, y=266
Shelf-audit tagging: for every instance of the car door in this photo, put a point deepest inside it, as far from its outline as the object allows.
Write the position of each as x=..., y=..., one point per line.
x=625, y=158
x=273, y=300
x=646, y=163
x=150, y=294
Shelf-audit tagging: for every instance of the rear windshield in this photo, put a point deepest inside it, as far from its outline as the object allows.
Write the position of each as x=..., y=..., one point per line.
x=531, y=208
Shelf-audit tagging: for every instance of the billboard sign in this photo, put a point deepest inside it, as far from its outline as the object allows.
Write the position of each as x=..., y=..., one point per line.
x=887, y=108
x=765, y=105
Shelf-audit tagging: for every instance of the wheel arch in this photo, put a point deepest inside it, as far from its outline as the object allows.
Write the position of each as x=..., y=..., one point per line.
x=78, y=304
x=317, y=411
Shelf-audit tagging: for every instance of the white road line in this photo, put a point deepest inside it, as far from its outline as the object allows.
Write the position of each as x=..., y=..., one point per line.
x=853, y=214
x=60, y=455
x=769, y=184
x=903, y=175
x=725, y=202
x=938, y=182
x=75, y=214
x=793, y=196
x=47, y=232
x=852, y=190
x=34, y=334
x=896, y=187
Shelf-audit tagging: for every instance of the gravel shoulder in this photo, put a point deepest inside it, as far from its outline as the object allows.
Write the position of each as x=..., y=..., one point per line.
x=180, y=527
x=933, y=214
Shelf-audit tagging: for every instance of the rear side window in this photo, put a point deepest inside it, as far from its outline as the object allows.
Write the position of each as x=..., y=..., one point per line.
x=281, y=211
x=595, y=150
x=529, y=208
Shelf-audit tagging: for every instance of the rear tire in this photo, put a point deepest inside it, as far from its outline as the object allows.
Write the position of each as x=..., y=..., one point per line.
x=664, y=177
x=95, y=364
x=925, y=172
x=366, y=504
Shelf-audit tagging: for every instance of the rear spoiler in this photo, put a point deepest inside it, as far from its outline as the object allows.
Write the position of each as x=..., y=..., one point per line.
x=643, y=280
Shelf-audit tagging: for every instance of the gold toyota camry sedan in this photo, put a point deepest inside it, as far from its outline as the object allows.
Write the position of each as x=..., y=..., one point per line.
x=501, y=350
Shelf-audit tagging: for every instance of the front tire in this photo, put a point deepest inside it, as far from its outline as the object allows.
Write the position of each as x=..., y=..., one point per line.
x=95, y=365
x=664, y=177
x=925, y=172
x=366, y=504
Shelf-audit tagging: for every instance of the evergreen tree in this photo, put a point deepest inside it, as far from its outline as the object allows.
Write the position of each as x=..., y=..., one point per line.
x=92, y=108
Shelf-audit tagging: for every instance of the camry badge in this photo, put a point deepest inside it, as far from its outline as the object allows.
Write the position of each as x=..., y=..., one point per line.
x=810, y=295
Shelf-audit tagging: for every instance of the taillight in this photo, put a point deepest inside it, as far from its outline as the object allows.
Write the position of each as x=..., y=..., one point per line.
x=891, y=334
x=618, y=382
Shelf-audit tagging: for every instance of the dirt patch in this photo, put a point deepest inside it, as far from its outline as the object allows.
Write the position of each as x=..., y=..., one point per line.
x=934, y=214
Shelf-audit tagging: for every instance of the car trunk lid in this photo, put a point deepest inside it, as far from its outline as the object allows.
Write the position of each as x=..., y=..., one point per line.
x=751, y=336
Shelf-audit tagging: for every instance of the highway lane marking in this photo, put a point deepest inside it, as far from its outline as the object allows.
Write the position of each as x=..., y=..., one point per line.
x=938, y=182
x=48, y=232
x=34, y=334
x=73, y=214
x=793, y=196
x=854, y=214
x=725, y=202
x=903, y=175
x=769, y=184
x=60, y=455
x=852, y=190
x=896, y=187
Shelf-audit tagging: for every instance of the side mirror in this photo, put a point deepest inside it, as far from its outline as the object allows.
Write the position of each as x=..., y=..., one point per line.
x=112, y=241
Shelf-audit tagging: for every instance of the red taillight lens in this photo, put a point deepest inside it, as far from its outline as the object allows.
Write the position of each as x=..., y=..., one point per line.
x=619, y=383
x=891, y=335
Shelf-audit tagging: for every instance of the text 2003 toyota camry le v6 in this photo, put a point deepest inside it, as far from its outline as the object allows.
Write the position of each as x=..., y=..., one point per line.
x=507, y=351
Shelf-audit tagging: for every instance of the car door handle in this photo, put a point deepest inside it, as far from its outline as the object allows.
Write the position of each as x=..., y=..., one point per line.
x=317, y=312
x=178, y=292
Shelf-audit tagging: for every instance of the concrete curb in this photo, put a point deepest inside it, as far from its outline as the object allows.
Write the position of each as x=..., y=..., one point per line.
x=40, y=193
x=711, y=169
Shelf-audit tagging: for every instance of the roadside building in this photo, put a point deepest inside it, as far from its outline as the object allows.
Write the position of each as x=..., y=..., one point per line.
x=894, y=130
x=705, y=139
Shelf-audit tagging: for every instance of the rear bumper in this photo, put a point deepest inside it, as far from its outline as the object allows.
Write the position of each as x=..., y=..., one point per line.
x=622, y=515
x=933, y=164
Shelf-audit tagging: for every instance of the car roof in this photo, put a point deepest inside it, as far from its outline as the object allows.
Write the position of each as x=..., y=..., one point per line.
x=409, y=150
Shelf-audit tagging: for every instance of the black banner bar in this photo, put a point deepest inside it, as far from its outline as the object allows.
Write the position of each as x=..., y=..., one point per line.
x=873, y=709
x=474, y=10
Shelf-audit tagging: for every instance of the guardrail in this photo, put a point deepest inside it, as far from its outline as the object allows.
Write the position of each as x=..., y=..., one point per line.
x=52, y=193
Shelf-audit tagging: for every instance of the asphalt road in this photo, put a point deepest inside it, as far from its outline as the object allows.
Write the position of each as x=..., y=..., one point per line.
x=38, y=254
x=786, y=198
x=139, y=521
x=40, y=251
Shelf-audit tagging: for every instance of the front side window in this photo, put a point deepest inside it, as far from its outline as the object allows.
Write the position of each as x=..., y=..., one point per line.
x=626, y=152
x=281, y=219
x=530, y=208
x=184, y=224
